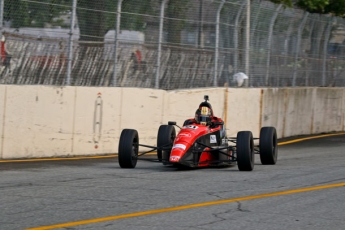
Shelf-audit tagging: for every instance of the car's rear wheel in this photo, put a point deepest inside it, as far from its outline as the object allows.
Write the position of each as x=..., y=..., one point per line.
x=268, y=146
x=165, y=138
x=128, y=148
x=245, y=151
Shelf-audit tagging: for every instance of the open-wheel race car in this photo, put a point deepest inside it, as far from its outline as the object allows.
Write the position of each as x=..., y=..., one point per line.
x=201, y=142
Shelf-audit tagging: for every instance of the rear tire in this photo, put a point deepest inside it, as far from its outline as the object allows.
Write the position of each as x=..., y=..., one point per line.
x=268, y=146
x=128, y=148
x=245, y=151
x=166, y=135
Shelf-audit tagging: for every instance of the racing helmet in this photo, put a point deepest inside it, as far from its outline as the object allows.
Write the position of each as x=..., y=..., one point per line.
x=203, y=115
x=208, y=105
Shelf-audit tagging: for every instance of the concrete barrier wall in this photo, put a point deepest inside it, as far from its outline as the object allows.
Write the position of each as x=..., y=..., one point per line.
x=38, y=121
x=301, y=111
x=274, y=105
x=44, y=121
x=243, y=111
x=328, y=110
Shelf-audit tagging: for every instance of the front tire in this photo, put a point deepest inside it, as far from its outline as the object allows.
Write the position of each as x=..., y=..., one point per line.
x=268, y=146
x=245, y=151
x=165, y=138
x=128, y=148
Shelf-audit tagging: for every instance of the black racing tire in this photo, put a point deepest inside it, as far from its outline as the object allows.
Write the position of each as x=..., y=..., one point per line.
x=268, y=146
x=166, y=135
x=245, y=151
x=128, y=148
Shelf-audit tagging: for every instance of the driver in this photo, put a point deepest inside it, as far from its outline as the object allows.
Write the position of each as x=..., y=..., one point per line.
x=203, y=115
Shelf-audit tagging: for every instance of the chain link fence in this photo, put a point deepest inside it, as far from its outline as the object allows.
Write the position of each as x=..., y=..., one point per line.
x=168, y=44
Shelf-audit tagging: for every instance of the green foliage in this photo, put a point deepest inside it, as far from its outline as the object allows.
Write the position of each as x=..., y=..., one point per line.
x=335, y=7
x=95, y=17
x=34, y=14
x=313, y=6
x=176, y=9
x=129, y=21
x=92, y=19
x=17, y=12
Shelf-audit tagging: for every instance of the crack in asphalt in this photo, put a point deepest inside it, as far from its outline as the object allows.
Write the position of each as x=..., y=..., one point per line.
x=239, y=207
x=213, y=194
x=216, y=215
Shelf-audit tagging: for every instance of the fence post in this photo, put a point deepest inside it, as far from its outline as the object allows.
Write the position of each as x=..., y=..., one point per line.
x=201, y=24
x=216, y=53
x=160, y=38
x=236, y=37
x=1, y=16
x=311, y=28
x=298, y=46
x=255, y=20
x=116, y=40
x=325, y=45
x=247, y=57
x=269, y=43
x=70, y=43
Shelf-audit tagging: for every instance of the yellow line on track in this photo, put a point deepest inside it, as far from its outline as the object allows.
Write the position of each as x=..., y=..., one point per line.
x=310, y=138
x=190, y=206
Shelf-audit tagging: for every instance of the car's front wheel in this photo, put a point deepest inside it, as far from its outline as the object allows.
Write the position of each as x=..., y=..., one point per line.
x=128, y=148
x=245, y=151
x=268, y=146
x=165, y=139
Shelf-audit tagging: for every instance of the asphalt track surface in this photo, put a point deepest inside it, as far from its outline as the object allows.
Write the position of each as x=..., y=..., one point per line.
x=305, y=190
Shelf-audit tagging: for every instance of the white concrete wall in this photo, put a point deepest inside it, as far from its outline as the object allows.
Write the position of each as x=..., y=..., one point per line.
x=274, y=105
x=38, y=121
x=141, y=109
x=243, y=111
x=299, y=111
x=45, y=121
x=96, y=120
x=328, y=110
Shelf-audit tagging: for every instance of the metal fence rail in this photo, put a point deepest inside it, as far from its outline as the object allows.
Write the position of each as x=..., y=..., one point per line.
x=168, y=44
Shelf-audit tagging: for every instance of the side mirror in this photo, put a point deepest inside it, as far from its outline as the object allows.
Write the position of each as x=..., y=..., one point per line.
x=171, y=122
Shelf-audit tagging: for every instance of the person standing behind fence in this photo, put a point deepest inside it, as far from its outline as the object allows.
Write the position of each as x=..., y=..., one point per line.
x=3, y=51
x=5, y=56
x=136, y=58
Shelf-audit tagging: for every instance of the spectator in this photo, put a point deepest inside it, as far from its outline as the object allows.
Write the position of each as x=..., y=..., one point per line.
x=5, y=56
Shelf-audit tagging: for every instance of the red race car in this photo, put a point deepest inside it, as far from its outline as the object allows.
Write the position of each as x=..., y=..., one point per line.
x=201, y=142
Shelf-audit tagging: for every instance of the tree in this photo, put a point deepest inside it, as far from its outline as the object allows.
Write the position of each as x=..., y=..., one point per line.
x=92, y=19
x=176, y=10
x=335, y=7
x=31, y=14
x=133, y=17
x=95, y=17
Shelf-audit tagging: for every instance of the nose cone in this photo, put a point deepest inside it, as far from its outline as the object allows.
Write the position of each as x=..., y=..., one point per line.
x=176, y=154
